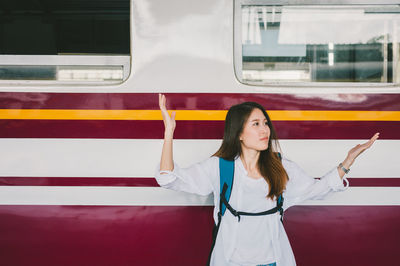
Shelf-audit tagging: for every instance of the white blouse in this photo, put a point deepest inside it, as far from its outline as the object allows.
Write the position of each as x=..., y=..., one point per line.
x=253, y=240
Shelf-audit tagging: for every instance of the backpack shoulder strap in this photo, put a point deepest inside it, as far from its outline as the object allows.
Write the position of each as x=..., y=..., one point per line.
x=279, y=202
x=226, y=173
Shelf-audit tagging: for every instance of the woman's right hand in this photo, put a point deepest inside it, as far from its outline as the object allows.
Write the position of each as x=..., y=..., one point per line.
x=169, y=121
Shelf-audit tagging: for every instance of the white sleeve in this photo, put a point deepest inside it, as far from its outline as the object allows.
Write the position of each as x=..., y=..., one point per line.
x=301, y=186
x=198, y=178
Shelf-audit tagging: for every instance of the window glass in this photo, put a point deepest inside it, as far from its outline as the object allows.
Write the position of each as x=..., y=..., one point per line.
x=319, y=43
x=65, y=40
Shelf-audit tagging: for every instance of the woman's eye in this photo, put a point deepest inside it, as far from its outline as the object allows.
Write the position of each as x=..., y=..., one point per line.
x=256, y=124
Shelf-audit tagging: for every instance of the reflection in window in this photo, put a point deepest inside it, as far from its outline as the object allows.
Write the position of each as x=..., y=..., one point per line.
x=65, y=68
x=320, y=44
x=63, y=73
x=65, y=41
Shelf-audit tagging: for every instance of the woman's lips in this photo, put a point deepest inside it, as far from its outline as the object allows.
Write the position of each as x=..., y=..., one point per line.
x=266, y=138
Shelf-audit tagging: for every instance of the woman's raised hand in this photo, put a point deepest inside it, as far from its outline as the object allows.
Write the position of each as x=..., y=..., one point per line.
x=360, y=148
x=169, y=121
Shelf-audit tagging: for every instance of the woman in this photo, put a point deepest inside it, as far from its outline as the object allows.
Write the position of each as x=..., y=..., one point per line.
x=260, y=177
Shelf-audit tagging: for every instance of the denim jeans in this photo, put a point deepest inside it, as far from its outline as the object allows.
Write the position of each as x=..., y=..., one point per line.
x=271, y=264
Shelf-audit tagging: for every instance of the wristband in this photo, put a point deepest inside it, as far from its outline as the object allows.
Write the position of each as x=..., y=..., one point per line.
x=344, y=169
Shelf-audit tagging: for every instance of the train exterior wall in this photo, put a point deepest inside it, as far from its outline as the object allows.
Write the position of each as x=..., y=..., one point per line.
x=77, y=163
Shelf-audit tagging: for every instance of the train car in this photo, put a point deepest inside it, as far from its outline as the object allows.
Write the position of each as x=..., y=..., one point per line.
x=81, y=133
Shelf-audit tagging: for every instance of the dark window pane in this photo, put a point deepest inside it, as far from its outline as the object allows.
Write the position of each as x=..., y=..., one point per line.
x=64, y=26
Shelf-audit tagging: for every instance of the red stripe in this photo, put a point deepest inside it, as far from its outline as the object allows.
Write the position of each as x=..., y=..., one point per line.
x=198, y=101
x=190, y=129
x=78, y=181
x=344, y=235
x=180, y=236
x=374, y=182
x=104, y=235
x=150, y=182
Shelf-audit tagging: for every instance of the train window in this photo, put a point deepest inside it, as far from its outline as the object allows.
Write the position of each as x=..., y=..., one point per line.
x=84, y=41
x=316, y=43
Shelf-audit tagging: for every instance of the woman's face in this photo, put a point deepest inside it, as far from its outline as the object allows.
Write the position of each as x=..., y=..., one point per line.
x=256, y=131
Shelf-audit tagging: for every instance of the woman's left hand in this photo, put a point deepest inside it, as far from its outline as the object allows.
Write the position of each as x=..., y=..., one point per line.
x=357, y=150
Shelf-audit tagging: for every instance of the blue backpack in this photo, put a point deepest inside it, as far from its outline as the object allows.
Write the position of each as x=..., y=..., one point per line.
x=226, y=174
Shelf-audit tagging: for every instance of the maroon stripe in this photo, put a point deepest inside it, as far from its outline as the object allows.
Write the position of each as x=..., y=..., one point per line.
x=374, y=182
x=344, y=235
x=78, y=181
x=169, y=235
x=198, y=101
x=150, y=182
x=104, y=235
x=118, y=129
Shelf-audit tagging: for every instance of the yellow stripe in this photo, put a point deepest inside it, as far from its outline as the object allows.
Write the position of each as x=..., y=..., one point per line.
x=209, y=115
x=335, y=115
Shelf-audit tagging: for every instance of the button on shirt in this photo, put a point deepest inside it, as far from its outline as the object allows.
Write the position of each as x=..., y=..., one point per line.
x=253, y=240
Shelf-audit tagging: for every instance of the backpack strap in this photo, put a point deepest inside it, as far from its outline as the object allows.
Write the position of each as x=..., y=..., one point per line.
x=279, y=202
x=226, y=173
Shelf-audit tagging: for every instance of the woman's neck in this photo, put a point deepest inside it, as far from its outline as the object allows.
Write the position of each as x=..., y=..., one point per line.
x=250, y=159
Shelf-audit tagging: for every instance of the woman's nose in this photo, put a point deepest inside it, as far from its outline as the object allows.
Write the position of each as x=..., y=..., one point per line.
x=265, y=128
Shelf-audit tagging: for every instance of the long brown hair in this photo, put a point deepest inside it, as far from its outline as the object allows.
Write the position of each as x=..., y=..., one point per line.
x=269, y=163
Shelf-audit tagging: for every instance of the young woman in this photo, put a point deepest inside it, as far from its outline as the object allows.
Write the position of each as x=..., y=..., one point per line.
x=260, y=176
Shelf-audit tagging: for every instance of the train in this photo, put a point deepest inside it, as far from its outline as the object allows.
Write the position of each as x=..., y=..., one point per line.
x=81, y=131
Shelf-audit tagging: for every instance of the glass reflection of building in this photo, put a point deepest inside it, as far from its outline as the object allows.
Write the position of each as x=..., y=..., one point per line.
x=320, y=44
